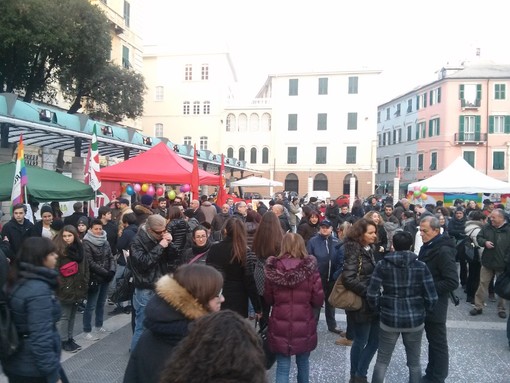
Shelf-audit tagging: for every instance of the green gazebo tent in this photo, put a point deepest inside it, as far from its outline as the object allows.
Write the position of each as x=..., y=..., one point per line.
x=44, y=185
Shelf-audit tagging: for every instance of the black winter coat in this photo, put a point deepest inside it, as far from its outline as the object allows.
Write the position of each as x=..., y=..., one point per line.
x=124, y=242
x=17, y=233
x=439, y=255
x=100, y=260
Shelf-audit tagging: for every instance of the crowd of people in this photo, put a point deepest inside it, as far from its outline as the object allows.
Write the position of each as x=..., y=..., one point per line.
x=185, y=260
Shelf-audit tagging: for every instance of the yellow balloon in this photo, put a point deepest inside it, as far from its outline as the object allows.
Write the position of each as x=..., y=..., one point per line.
x=145, y=187
x=171, y=194
x=423, y=196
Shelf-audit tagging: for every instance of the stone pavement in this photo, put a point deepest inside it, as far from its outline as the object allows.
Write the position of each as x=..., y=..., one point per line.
x=479, y=352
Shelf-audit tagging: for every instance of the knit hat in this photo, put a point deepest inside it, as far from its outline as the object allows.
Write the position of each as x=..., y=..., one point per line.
x=46, y=209
x=146, y=200
x=459, y=208
x=83, y=221
x=124, y=201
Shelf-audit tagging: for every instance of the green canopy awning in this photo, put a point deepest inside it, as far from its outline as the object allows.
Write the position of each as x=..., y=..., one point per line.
x=44, y=185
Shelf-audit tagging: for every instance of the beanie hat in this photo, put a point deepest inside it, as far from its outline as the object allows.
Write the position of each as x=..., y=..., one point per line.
x=146, y=200
x=459, y=208
x=57, y=225
x=83, y=221
x=124, y=201
x=46, y=209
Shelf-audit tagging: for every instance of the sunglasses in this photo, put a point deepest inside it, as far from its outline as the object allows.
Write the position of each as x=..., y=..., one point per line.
x=158, y=232
x=220, y=294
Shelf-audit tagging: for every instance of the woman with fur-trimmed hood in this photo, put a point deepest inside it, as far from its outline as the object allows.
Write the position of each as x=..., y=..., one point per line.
x=190, y=293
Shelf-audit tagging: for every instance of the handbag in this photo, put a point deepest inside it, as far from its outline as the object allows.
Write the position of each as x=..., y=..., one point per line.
x=70, y=268
x=502, y=284
x=269, y=355
x=342, y=298
x=124, y=289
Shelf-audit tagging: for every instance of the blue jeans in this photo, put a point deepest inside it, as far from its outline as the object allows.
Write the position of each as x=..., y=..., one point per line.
x=95, y=302
x=412, y=344
x=437, y=367
x=140, y=299
x=364, y=346
x=283, y=368
x=119, y=274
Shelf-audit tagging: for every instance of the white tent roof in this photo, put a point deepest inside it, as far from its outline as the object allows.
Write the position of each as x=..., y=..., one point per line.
x=256, y=181
x=460, y=177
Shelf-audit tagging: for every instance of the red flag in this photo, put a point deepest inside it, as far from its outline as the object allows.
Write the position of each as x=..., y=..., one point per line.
x=195, y=180
x=221, y=198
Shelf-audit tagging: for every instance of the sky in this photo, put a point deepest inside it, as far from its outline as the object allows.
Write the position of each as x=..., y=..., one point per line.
x=408, y=40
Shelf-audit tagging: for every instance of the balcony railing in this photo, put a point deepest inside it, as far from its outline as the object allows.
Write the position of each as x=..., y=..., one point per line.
x=470, y=138
x=470, y=104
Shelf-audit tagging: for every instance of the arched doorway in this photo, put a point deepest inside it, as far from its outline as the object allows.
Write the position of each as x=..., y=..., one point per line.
x=291, y=183
x=320, y=182
x=347, y=185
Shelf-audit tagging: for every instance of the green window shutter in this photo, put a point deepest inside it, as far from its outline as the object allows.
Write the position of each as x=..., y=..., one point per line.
x=507, y=124
x=438, y=95
x=417, y=132
x=461, y=128
x=503, y=91
x=461, y=92
x=438, y=126
x=491, y=124
x=430, y=98
x=477, y=127
x=417, y=102
x=431, y=133
x=478, y=91
x=424, y=100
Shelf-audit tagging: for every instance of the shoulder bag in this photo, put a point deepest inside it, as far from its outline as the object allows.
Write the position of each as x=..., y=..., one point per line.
x=342, y=298
x=502, y=284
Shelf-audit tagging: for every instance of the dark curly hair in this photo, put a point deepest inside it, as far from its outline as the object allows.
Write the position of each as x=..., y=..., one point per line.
x=221, y=347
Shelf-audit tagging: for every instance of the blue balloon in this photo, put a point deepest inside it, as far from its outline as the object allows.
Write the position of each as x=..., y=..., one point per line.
x=130, y=190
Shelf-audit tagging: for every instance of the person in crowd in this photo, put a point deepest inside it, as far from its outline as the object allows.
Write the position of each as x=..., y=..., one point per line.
x=191, y=220
x=476, y=220
x=251, y=226
x=148, y=261
x=240, y=210
x=294, y=210
x=73, y=281
x=198, y=214
x=43, y=227
x=82, y=226
x=494, y=237
x=443, y=222
x=124, y=209
x=408, y=292
x=488, y=207
x=262, y=208
x=144, y=209
x=357, y=209
x=104, y=213
x=359, y=264
x=123, y=250
x=284, y=222
x=115, y=209
x=372, y=205
x=310, y=226
x=471, y=206
x=332, y=213
x=180, y=230
x=219, y=220
x=337, y=264
x=102, y=270
x=345, y=215
x=293, y=289
x=196, y=359
x=266, y=243
x=17, y=229
x=57, y=212
x=438, y=253
x=457, y=230
x=198, y=251
x=322, y=247
x=229, y=257
x=191, y=292
x=162, y=208
x=253, y=214
x=35, y=313
x=208, y=209
x=381, y=245
x=77, y=213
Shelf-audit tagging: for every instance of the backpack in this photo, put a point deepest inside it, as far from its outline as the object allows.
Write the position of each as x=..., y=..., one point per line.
x=9, y=339
x=470, y=247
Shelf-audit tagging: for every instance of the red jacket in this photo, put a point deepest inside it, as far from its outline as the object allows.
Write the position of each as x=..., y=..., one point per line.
x=293, y=288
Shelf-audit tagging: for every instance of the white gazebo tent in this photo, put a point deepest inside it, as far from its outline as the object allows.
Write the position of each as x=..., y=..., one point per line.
x=256, y=182
x=460, y=177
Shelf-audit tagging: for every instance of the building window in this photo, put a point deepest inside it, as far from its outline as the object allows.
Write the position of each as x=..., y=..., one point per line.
x=379, y=138
x=266, y=122
x=421, y=101
x=254, y=122
x=196, y=107
x=203, y=142
x=469, y=129
x=243, y=122
x=421, y=130
x=322, y=121
x=230, y=152
x=469, y=157
x=205, y=72
x=188, y=72
x=397, y=111
x=350, y=155
x=409, y=105
x=125, y=57
x=435, y=96
x=265, y=155
x=409, y=133
x=433, y=161
x=160, y=93
x=353, y=85
x=420, y=161
x=292, y=155
x=253, y=155
x=408, y=163
x=321, y=153
x=470, y=95
x=323, y=85
x=397, y=165
x=158, y=130
x=207, y=107
x=187, y=140
x=127, y=12
x=383, y=139
x=386, y=165
x=388, y=138
x=387, y=114
x=378, y=116
x=241, y=154
x=498, y=160
x=293, y=87
x=499, y=124
x=185, y=107
x=500, y=91
x=292, y=122
x=231, y=123
x=434, y=127
x=352, y=121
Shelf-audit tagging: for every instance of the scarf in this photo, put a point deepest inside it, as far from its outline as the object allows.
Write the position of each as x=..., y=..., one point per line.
x=97, y=240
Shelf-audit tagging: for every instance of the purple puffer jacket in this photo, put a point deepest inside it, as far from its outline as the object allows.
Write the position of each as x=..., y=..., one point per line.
x=293, y=288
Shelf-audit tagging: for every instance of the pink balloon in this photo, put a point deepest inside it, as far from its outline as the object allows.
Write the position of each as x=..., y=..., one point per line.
x=137, y=188
x=151, y=191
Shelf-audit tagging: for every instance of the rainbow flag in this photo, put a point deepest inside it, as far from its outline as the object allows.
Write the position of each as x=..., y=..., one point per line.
x=20, y=176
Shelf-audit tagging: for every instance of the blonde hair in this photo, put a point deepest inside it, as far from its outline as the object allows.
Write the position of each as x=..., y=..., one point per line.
x=293, y=245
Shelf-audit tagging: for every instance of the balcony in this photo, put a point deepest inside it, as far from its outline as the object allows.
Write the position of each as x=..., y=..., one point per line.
x=469, y=104
x=470, y=138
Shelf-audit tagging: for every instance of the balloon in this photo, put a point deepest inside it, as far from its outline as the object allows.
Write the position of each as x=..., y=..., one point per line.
x=423, y=196
x=171, y=195
x=416, y=187
x=424, y=189
x=137, y=188
x=187, y=188
x=417, y=193
x=130, y=190
x=160, y=191
x=151, y=191
x=145, y=187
